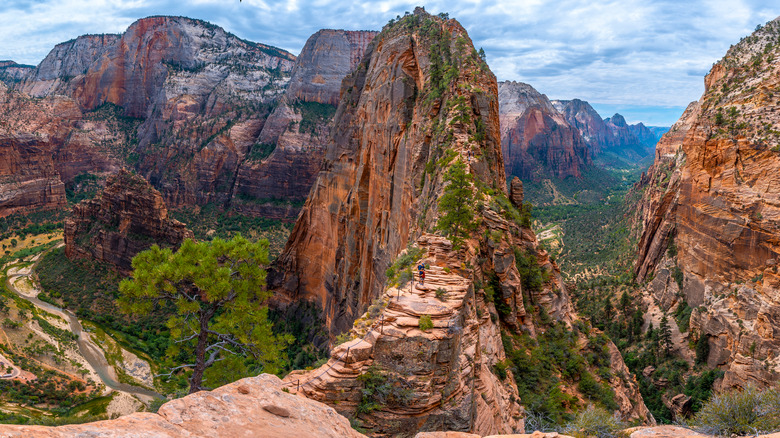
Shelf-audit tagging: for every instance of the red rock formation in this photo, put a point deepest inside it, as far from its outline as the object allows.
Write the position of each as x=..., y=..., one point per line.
x=299, y=127
x=28, y=178
x=714, y=187
x=396, y=132
x=128, y=218
x=45, y=143
x=613, y=135
x=537, y=141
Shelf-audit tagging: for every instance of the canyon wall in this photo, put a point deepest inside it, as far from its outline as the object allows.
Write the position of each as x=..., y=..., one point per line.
x=711, y=211
x=399, y=130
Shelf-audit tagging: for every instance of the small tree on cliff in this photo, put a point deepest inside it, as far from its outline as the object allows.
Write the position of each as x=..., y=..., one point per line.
x=455, y=205
x=218, y=291
x=666, y=336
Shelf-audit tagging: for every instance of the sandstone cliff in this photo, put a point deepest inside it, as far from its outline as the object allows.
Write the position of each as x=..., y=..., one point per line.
x=420, y=101
x=537, y=141
x=129, y=217
x=612, y=135
x=297, y=130
x=44, y=144
x=713, y=192
x=202, y=111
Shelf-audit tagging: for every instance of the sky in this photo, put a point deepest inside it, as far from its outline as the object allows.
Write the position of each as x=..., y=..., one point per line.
x=645, y=59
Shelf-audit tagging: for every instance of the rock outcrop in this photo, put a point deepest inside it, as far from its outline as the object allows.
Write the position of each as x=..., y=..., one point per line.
x=128, y=217
x=11, y=72
x=537, y=141
x=713, y=192
x=255, y=406
x=398, y=129
x=28, y=177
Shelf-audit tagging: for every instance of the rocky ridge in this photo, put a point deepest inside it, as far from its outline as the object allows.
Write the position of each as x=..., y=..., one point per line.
x=128, y=217
x=713, y=192
x=537, y=141
x=397, y=130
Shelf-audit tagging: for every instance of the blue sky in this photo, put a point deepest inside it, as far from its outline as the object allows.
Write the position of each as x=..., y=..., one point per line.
x=645, y=59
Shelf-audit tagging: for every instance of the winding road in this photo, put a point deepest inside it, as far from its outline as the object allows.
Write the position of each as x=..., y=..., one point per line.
x=91, y=352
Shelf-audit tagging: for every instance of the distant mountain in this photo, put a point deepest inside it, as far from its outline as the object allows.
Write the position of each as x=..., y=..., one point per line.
x=196, y=110
x=611, y=136
x=536, y=140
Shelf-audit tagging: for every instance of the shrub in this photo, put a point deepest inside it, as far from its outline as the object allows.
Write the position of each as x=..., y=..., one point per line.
x=400, y=273
x=747, y=412
x=441, y=294
x=596, y=422
x=382, y=389
x=426, y=323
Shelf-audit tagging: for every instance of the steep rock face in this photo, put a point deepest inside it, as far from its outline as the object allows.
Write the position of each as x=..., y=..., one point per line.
x=714, y=189
x=582, y=116
x=45, y=144
x=255, y=406
x=368, y=199
x=536, y=139
x=327, y=57
x=202, y=95
x=28, y=178
x=624, y=141
x=299, y=127
x=397, y=130
x=128, y=218
x=612, y=135
x=11, y=72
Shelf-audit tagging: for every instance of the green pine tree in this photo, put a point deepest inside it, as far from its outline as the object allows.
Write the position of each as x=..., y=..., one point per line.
x=456, y=204
x=218, y=291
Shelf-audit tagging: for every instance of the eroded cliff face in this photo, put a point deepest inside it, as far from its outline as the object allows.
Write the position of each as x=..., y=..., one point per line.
x=204, y=113
x=128, y=217
x=537, y=141
x=714, y=190
x=298, y=129
x=44, y=144
x=192, y=97
x=398, y=129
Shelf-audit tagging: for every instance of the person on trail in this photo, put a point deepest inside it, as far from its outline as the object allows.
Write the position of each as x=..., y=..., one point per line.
x=422, y=277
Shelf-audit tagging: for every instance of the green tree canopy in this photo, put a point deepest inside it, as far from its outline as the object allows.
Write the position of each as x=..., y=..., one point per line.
x=456, y=204
x=220, y=327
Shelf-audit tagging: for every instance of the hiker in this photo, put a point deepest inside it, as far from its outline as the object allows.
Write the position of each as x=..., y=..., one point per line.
x=422, y=278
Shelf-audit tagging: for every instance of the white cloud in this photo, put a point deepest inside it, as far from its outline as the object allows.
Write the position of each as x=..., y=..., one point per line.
x=612, y=51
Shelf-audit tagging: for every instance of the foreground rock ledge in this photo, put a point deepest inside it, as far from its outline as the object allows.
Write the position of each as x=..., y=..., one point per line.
x=240, y=409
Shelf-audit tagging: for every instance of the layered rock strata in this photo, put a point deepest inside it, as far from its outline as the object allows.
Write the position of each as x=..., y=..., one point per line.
x=44, y=144
x=397, y=131
x=713, y=192
x=255, y=406
x=127, y=218
x=299, y=127
x=536, y=140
